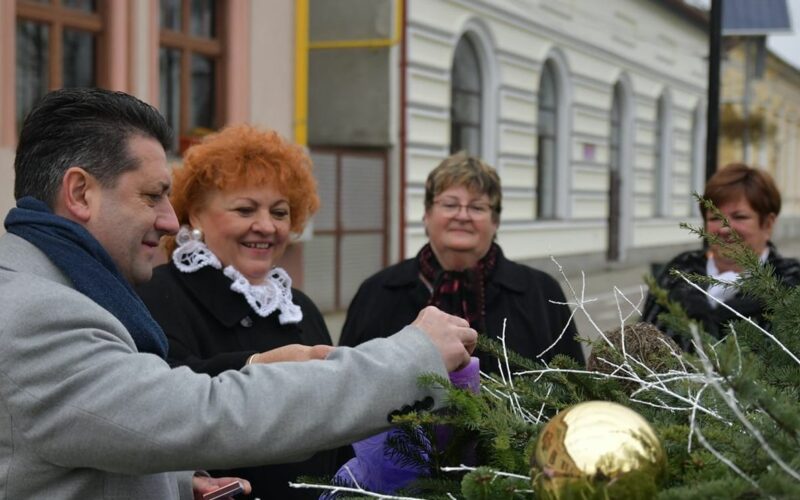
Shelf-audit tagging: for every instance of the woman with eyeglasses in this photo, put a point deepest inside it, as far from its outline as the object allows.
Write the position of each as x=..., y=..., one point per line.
x=750, y=200
x=463, y=271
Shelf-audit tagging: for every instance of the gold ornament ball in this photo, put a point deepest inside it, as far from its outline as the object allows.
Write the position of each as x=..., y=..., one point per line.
x=596, y=443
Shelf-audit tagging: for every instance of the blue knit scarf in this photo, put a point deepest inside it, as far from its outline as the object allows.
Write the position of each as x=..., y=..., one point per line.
x=81, y=257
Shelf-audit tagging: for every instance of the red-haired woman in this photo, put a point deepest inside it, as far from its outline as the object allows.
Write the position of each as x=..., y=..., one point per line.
x=239, y=196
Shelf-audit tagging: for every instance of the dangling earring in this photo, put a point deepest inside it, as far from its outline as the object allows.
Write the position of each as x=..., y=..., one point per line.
x=188, y=234
x=191, y=253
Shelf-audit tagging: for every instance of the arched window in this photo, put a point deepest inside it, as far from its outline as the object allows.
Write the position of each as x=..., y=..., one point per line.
x=615, y=175
x=662, y=180
x=467, y=96
x=546, y=157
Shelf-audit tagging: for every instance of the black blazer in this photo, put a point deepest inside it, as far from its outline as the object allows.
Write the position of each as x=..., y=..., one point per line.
x=212, y=329
x=392, y=298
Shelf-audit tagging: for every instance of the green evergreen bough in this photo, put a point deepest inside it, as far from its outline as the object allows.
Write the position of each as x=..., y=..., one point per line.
x=728, y=414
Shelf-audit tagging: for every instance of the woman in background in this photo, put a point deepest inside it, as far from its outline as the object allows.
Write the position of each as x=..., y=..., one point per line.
x=239, y=196
x=463, y=271
x=750, y=200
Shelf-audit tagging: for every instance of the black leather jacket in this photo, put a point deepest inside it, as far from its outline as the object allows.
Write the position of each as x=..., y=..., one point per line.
x=695, y=303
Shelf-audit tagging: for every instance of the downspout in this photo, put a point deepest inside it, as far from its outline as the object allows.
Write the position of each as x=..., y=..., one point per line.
x=402, y=32
x=398, y=37
x=300, y=116
x=301, y=47
x=366, y=43
x=712, y=115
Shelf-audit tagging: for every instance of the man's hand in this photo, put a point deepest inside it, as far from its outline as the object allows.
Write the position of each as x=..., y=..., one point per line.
x=451, y=335
x=292, y=352
x=204, y=484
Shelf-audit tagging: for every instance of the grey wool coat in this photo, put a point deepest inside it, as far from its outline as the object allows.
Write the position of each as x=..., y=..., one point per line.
x=83, y=415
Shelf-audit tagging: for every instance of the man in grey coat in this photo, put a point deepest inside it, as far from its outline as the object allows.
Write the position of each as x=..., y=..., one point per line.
x=88, y=406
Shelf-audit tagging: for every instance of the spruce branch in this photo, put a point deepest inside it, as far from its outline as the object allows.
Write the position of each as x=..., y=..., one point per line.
x=739, y=315
x=722, y=458
x=728, y=397
x=727, y=414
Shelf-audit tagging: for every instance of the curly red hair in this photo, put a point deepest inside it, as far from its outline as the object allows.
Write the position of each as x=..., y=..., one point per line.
x=239, y=156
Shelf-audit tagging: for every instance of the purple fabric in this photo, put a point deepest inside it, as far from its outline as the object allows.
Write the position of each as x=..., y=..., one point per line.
x=468, y=377
x=374, y=467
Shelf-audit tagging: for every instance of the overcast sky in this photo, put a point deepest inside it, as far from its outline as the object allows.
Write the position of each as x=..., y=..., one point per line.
x=788, y=46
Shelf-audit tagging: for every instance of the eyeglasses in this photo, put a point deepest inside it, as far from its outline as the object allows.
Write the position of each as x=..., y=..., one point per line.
x=451, y=208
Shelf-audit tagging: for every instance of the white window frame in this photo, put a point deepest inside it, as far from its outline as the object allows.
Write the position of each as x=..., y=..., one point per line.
x=556, y=59
x=483, y=42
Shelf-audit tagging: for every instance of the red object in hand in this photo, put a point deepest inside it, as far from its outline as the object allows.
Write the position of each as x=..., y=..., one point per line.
x=228, y=490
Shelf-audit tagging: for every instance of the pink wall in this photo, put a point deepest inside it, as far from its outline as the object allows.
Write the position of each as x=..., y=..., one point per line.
x=117, y=38
x=237, y=62
x=7, y=74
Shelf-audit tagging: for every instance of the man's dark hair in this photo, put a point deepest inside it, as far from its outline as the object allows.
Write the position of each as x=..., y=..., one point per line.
x=85, y=127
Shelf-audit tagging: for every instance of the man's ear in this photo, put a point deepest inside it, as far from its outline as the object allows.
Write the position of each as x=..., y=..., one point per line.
x=77, y=194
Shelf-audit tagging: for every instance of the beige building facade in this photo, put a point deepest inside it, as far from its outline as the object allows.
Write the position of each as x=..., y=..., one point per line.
x=202, y=64
x=594, y=116
x=763, y=128
x=626, y=99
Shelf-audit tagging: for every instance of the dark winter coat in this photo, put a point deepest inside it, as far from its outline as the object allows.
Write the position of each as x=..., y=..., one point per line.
x=212, y=329
x=695, y=303
x=522, y=295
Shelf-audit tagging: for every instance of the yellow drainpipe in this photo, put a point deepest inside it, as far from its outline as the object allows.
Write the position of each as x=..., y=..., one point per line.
x=301, y=72
x=302, y=46
x=369, y=43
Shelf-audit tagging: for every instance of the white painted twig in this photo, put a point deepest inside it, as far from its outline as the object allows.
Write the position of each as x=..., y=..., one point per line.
x=354, y=489
x=722, y=458
x=466, y=468
x=337, y=489
x=638, y=380
x=560, y=335
x=738, y=314
x=580, y=301
x=729, y=399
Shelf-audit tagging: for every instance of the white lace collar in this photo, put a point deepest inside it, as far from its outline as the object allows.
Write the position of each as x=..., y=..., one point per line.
x=274, y=294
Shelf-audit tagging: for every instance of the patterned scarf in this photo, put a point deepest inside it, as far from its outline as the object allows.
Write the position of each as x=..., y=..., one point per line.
x=87, y=264
x=461, y=293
